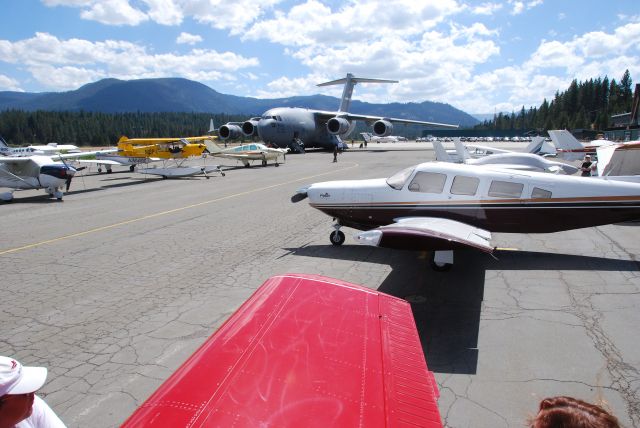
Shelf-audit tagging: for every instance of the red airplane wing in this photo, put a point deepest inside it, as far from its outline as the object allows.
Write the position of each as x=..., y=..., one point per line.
x=304, y=350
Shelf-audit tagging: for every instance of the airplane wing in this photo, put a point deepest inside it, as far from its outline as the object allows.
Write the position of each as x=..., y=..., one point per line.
x=326, y=115
x=304, y=350
x=619, y=159
x=427, y=233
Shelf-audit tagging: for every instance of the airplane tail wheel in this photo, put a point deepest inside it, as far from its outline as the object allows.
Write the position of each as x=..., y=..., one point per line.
x=439, y=267
x=337, y=237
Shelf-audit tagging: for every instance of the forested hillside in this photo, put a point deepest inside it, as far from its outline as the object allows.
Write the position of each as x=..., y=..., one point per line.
x=22, y=128
x=587, y=104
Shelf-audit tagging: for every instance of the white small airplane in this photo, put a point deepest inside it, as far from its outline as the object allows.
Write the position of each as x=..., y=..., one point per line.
x=509, y=160
x=248, y=153
x=47, y=150
x=35, y=172
x=370, y=138
x=443, y=206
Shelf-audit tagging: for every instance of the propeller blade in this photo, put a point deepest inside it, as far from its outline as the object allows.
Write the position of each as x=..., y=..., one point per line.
x=298, y=197
x=68, y=182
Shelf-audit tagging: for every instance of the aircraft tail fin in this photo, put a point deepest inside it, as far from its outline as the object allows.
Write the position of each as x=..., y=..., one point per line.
x=535, y=145
x=212, y=147
x=462, y=151
x=3, y=143
x=567, y=145
x=349, y=82
x=212, y=127
x=441, y=153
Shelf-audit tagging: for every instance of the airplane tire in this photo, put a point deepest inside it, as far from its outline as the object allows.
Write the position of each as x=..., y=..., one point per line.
x=132, y=168
x=277, y=164
x=337, y=237
x=264, y=163
x=439, y=267
x=222, y=173
x=99, y=170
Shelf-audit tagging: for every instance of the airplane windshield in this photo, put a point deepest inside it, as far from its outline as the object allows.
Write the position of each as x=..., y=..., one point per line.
x=397, y=180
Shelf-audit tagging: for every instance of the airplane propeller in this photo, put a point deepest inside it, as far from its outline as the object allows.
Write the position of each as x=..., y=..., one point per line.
x=300, y=195
x=71, y=171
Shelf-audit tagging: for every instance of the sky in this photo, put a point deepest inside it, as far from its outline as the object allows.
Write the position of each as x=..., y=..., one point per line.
x=480, y=57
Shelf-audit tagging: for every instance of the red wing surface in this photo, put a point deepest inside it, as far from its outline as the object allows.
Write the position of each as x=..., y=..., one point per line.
x=306, y=351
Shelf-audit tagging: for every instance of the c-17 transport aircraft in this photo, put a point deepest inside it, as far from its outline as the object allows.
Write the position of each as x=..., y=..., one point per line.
x=288, y=126
x=443, y=206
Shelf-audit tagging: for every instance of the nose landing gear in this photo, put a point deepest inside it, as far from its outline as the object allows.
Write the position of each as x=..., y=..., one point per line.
x=337, y=237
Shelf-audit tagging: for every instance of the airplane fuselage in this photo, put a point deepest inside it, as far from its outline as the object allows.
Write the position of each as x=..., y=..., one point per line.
x=491, y=199
x=279, y=126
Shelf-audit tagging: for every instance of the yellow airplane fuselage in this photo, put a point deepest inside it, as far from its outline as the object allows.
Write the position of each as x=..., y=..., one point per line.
x=162, y=148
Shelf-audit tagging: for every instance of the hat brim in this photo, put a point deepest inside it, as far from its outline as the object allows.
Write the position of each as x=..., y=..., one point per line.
x=32, y=380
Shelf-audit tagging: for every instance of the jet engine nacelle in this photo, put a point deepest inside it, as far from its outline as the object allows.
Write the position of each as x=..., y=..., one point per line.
x=250, y=127
x=230, y=131
x=338, y=125
x=382, y=128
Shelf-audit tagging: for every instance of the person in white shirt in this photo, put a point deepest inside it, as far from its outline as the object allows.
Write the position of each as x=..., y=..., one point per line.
x=19, y=406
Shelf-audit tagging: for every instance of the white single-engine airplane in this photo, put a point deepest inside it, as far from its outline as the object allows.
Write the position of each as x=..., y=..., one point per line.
x=46, y=150
x=442, y=206
x=247, y=153
x=35, y=172
x=287, y=126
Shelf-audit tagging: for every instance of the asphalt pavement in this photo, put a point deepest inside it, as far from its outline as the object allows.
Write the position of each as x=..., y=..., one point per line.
x=113, y=288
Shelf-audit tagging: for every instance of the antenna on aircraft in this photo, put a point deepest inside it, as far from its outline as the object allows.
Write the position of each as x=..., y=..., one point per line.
x=350, y=81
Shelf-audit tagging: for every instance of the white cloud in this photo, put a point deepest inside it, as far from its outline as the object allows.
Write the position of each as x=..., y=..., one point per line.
x=190, y=39
x=165, y=12
x=67, y=64
x=114, y=12
x=9, y=84
x=486, y=8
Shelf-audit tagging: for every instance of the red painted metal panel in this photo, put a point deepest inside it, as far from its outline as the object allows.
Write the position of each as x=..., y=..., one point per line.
x=304, y=350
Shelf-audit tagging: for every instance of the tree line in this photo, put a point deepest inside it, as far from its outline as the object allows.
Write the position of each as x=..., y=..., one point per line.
x=23, y=128
x=586, y=105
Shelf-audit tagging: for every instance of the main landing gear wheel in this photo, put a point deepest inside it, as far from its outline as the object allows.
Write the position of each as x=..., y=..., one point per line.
x=439, y=266
x=337, y=237
x=264, y=163
x=132, y=168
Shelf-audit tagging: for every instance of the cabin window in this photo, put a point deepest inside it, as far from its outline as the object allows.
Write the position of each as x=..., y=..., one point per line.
x=397, y=180
x=428, y=182
x=464, y=185
x=540, y=193
x=505, y=189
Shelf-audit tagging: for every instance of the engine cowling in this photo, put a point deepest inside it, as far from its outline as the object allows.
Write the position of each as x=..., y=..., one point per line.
x=230, y=131
x=382, y=128
x=338, y=125
x=250, y=127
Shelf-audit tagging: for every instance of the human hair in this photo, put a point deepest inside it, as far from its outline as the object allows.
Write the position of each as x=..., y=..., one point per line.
x=568, y=412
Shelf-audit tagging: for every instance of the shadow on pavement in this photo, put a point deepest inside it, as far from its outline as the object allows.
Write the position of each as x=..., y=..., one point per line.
x=447, y=305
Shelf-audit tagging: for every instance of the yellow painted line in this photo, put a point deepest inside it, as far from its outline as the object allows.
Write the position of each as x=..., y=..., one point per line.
x=162, y=213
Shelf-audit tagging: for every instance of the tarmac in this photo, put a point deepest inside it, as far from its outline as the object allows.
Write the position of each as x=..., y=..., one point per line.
x=113, y=288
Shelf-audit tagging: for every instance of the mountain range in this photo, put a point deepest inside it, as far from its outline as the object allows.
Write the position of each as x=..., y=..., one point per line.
x=183, y=95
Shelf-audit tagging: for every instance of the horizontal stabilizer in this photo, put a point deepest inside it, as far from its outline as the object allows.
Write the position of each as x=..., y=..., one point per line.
x=356, y=80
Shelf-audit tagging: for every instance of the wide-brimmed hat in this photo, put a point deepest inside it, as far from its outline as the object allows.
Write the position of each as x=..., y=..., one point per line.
x=18, y=379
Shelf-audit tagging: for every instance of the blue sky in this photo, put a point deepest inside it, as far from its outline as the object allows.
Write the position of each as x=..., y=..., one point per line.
x=478, y=56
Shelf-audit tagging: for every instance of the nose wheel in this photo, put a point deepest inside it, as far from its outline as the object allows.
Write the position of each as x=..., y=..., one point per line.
x=337, y=237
